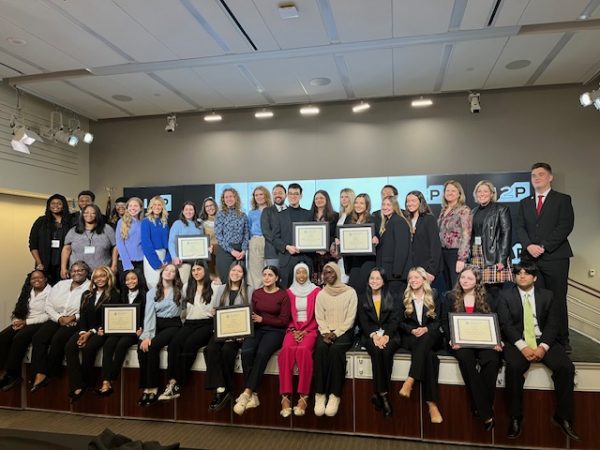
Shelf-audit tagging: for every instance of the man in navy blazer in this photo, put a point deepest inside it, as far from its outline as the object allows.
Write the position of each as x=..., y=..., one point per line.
x=534, y=340
x=544, y=223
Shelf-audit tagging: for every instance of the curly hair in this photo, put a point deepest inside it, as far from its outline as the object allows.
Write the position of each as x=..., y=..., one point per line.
x=458, y=293
x=428, y=301
x=238, y=203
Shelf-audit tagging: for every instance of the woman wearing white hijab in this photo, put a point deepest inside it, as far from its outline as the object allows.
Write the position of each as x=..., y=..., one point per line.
x=335, y=312
x=299, y=342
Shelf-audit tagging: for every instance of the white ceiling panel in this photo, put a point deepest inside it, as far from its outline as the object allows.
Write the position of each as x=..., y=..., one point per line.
x=193, y=86
x=5, y=71
x=292, y=33
x=477, y=14
x=307, y=69
x=510, y=12
x=575, y=61
x=228, y=81
x=470, y=64
x=532, y=48
x=280, y=80
x=253, y=23
x=416, y=68
x=541, y=11
x=418, y=17
x=371, y=73
x=357, y=20
x=11, y=59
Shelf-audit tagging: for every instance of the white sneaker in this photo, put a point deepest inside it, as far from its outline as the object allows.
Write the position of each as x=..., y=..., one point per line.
x=241, y=403
x=254, y=402
x=319, y=404
x=171, y=392
x=333, y=405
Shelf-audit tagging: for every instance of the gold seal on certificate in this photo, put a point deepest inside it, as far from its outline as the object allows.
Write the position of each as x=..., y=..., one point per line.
x=356, y=239
x=121, y=319
x=311, y=236
x=233, y=322
x=474, y=330
x=190, y=248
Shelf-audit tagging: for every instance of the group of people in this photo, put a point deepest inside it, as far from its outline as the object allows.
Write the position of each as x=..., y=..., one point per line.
x=304, y=305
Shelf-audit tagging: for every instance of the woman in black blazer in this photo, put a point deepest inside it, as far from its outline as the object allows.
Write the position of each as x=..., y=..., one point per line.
x=420, y=328
x=90, y=337
x=426, y=245
x=393, y=252
x=322, y=211
x=116, y=347
x=379, y=316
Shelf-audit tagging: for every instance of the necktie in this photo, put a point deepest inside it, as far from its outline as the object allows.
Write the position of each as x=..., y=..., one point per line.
x=528, y=325
x=538, y=208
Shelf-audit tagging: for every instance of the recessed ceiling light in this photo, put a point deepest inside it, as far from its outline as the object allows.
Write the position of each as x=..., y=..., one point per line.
x=518, y=64
x=361, y=107
x=263, y=114
x=122, y=98
x=213, y=117
x=309, y=110
x=583, y=17
x=321, y=81
x=288, y=11
x=16, y=41
x=421, y=102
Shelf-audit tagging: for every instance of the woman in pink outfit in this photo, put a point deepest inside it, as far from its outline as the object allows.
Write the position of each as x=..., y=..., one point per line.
x=299, y=342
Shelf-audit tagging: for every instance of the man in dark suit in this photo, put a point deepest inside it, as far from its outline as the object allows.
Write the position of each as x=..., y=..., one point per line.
x=528, y=317
x=545, y=221
x=267, y=224
x=283, y=235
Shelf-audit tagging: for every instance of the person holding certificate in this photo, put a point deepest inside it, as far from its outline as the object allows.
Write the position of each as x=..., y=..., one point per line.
x=231, y=229
x=469, y=296
x=347, y=197
x=115, y=347
x=419, y=325
x=162, y=321
x=379, y=316
x=299, y=342
x=322, y=211
x=186, y=225
x=261, y=199
x=207, y=216
x=28, y=317
x=155, y=241
x=199, y=305
x=393, y=251
x=335, y=312
x=90, y=336
x=271, y=316
x=220, y=355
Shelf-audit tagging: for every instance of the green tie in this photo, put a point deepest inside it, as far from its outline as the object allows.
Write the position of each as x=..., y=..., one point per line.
x=528, y=324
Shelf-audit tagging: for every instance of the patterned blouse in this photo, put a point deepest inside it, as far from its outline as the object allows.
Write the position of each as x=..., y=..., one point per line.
x=232, y=229
x=455, y=230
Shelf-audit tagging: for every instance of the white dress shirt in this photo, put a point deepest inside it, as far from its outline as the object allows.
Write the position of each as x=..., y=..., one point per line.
x=37, y=306
x=63, y=301
x=521, y=344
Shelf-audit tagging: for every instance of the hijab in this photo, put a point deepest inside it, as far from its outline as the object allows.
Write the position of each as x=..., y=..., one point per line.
x=302, y=290
x=338, y=287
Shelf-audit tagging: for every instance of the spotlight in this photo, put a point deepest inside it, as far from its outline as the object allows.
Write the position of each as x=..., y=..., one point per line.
x=83, y=135
x=589, y=98
x=475, y=104
x=66, y=137
x=171, y=123
x=213, y=117
x=264, y=114
x=421, y=102
x=309, y=110
x=361, y=107
x=25, y=136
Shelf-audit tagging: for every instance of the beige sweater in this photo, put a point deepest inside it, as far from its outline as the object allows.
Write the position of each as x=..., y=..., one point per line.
x=336, y=314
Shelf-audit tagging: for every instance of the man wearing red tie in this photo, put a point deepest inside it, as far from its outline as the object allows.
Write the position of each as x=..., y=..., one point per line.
x=545, y=221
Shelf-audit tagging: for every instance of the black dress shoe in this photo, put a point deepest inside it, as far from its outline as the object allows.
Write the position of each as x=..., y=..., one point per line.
x=105, y=393
x=38, y=386
x=10, y=382
x=386, y=405
x=489, y=424
x=74, y=396
x=514, y=428
x=566, y=428
x=220, y=400
x=143, y=400
x=376, y=400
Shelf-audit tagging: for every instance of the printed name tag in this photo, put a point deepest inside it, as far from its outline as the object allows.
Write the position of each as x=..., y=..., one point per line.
x=477, y=240
x=55, y=243
x=89, y=250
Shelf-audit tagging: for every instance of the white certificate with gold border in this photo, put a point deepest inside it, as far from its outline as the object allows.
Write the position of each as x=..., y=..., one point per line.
x=356, y=239
x=311, y=236
x=233, y=322
x=474, y=330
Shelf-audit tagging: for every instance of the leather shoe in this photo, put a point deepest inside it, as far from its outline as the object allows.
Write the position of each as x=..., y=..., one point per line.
x=74, y=396
x=489, y=424
x=376, y=400
x=566, y=427
x=105, y=393
x=10, y=382
x=514, y=428
x=220, y=400
x=386, y=405
x=38, y=386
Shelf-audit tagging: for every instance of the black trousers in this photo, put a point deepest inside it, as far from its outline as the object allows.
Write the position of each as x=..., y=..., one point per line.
x=183, y=349
x=48, y=347
x=81, y=374
x=330, y=364
x=166, y=329
x=449, y=258
x=256, y=352
x=13, y=346
x=424, y=363
x=563, y=373
x=53, y=274
x=220, y=363
x=382, y=361
x=114, y=352
x=553, y=275
x=224, y=261
x=481, y=383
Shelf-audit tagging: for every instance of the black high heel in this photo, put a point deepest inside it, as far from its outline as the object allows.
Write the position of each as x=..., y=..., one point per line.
x=73, y=396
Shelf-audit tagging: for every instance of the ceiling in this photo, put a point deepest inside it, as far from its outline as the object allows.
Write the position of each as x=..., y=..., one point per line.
x=146, y=57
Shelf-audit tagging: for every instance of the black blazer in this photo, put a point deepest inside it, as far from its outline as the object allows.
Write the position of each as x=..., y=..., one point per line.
x=283, y=233
x=409, y=323
x=496, y=234
x=267, y=224
x=510, y=315
x=550, y=229
x=351, y=261
x=426, y=245
x=389, y=317
x=90, y=315
x=40, y=237
x=394, y=252
x=140, y=299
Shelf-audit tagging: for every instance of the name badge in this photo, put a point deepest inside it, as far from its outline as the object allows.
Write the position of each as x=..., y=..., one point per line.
x=55, y=243
x=89, y=250
x=477, y=240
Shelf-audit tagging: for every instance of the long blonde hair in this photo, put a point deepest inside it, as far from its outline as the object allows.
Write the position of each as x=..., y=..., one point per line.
x=351, y=196
x=163, y=215
x=127, y=218
x=428, y=301
x=265, y=192
x=397, y=210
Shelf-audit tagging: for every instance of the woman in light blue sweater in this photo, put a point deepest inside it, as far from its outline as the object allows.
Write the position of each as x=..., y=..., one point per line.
x=186, y=225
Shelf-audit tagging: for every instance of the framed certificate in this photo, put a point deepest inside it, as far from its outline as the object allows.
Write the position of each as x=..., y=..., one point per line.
x=474, y=330
x=233, y=322
x=190, y=248
x=311, y=236
x=121, y=319
x=356, y=239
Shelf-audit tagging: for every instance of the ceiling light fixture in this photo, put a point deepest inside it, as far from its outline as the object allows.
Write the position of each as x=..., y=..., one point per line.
x=288, y=11
x=310, y=110
x=361, y=107
x=474, y=103
x=264, y=114
x=421, y=102
x=83, y=135
x=171, y=123
x=213, y=117
x=23, y=137
x=589, y=98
